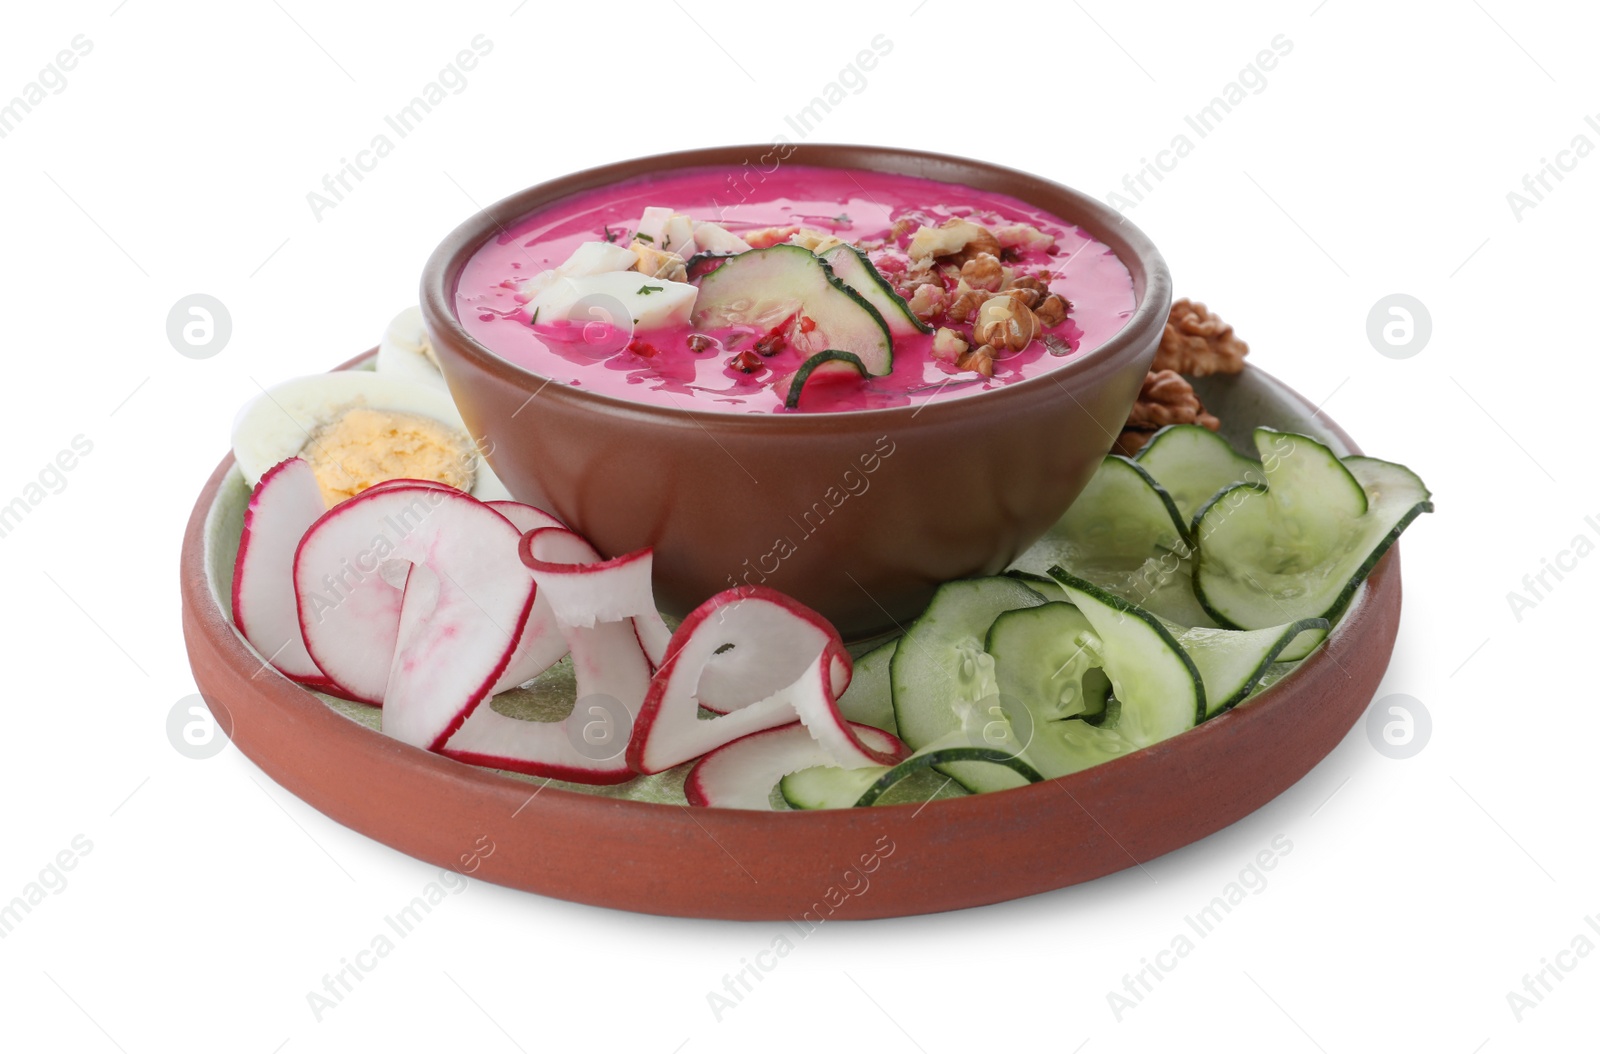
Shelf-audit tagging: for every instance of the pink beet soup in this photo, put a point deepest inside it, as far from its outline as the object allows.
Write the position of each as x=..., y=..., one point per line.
x=742, y=369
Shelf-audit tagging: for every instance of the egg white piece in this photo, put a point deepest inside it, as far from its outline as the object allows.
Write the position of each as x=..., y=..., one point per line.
x=405, y=351
x=278, y=423
x=589, y=258
x=651, y=303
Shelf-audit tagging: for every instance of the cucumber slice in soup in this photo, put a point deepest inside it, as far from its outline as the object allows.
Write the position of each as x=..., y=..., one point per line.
x=1192, y=463
x=820, y=367
x=868, y=700
x=766, y=287
x=1154, y=679
x=852, y=267
x=1265, y=559
x=943, y=680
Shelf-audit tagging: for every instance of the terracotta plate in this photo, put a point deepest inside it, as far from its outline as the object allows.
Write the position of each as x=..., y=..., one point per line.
x=713, y=863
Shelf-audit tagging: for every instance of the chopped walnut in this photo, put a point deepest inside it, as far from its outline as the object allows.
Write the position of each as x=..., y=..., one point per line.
x=983, y=271
x=948, y=345
x=965, y=304
x=817, y=241
x=953, y=237
x=1005, y=322
x=1165, y=398
x=1023, y=236
x=769, y=236
x=1033, y=288
x=906, y=224
x=658, y=264
x=979, y=360
x=928, y=300
x=1197, y=343
x=1052, y=310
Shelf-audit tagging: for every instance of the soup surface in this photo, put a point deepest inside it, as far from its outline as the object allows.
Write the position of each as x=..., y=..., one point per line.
x=646, y=290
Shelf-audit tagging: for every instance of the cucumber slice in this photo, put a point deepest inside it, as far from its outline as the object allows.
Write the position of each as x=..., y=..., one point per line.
x=1154, y=679
x=851, y=266
x=765, y=287
x=1044, y=585
x=829, y=787
x=1232, y=662
x=1121, y=517
x=1192, y=463
x=1124, y=534
x=1312, y=490
x=1060, y=748
x=1043, y=659
x=822, y=365
x=868, y=700
x=1266, y=559
x=943, y=681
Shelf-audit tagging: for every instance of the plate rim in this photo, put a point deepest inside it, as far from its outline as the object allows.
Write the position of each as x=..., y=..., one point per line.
x=268, y=714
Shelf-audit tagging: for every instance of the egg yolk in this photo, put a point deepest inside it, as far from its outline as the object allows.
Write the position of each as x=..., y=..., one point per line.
x=361, y=447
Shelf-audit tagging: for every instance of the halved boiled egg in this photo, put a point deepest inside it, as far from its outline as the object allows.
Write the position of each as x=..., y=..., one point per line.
x=406, y=352
x=357, y=428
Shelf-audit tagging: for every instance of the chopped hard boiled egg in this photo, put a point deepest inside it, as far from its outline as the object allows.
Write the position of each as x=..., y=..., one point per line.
x=590, y=258
x=623, y=300
x=358, y=428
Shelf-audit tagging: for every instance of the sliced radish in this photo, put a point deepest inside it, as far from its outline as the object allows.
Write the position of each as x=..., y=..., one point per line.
x=585, y=591
x=283, y=507
x=542, y=644
x=613, y=674
x=741, y=775
x=804, y=670
x=465, y=604
x=353, y=563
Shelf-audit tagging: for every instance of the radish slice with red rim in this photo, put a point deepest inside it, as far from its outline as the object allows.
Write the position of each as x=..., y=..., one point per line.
x=465, y=605
x=542, y=644
x=284, y=505
x=742, y=774
x=353, y=565
x=598, y=591
x=806, y=669
x=612, y=671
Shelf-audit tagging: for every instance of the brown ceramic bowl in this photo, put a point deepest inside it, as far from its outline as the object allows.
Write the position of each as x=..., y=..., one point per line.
x=801, y=866
x=970, y=483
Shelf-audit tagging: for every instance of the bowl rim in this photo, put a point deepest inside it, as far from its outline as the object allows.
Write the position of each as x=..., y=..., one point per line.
x=1152, y=281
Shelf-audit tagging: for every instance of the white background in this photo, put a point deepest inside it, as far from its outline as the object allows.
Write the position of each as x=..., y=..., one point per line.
x=1377, y=160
